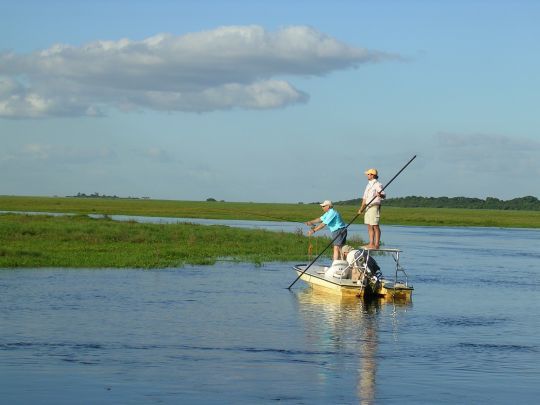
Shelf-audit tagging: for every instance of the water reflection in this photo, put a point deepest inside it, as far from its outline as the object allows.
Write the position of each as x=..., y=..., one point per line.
x=350, y=326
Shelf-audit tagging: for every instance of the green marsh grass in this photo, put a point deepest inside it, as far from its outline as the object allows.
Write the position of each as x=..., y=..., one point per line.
x=80, y=241
x=269, y=211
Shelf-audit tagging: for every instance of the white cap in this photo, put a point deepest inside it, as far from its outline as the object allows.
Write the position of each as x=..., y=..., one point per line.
x=325, y=203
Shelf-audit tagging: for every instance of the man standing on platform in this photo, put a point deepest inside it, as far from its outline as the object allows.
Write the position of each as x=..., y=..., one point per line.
x=373, y=195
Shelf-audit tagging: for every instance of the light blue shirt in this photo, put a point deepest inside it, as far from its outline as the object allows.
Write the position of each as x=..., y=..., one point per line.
x=332, y=220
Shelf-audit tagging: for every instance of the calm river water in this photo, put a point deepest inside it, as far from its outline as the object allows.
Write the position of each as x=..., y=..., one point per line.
x=233, y=333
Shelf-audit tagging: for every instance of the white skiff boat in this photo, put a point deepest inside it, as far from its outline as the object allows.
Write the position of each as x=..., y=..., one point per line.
x=359, y=276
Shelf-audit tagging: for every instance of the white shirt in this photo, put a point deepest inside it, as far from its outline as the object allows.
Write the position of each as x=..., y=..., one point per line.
x=373, y=187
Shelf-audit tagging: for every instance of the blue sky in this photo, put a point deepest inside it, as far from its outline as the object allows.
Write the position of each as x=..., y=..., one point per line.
x=269, y=101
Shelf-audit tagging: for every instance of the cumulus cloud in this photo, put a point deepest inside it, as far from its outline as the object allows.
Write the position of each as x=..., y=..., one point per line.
x=228, y=67
x=485, y=153
x=157, y=154
x=58, y=154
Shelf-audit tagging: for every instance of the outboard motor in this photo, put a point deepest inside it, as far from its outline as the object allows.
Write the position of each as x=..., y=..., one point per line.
x=373, y=267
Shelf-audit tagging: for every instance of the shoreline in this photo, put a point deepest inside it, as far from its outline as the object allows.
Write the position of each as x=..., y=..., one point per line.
x=227, y=221
x=277, y=212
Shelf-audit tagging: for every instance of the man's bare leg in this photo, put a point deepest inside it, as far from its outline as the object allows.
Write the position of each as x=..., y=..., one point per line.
x=377, y=236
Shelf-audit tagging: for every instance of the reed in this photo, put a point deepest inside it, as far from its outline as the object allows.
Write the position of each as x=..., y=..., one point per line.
x=80, y=241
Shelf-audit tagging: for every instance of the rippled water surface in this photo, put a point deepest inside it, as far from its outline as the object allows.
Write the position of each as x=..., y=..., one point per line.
x=233, y=333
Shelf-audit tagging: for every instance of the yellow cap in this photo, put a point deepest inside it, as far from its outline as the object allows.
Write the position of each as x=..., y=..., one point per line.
x=371, y=171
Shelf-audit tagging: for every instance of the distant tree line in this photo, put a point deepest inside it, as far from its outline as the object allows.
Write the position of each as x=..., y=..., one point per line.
x=528, y=203
x=97, y=195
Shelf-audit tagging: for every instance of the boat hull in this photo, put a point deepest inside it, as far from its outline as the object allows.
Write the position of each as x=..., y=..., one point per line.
x=396, y=290
x=316, y=278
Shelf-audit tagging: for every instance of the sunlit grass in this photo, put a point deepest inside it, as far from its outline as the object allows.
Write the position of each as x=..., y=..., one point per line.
x=270, y=212
x=80, y=241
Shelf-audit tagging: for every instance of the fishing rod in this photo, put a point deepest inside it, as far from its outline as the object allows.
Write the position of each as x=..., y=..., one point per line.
x=352, y=220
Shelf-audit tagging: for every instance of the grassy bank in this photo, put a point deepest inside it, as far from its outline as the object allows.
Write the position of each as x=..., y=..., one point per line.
x=79, y=241
x=460, y=217
x=163, y=208
x=267, y=211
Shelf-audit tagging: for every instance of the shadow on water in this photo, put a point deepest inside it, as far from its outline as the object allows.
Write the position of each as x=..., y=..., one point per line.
x=348, y=327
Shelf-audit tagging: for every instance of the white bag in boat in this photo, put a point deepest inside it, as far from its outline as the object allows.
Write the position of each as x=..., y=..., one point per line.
x=339, y=269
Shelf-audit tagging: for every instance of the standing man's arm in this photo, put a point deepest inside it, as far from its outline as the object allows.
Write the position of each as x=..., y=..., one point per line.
x=362, y=206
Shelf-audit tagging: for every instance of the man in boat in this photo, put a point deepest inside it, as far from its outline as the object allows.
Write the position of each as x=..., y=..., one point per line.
x=353, y=263
x=332, y=219
x=359, y=269
x=373, y=195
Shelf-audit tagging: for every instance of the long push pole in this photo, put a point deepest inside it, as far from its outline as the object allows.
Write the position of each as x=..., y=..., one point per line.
x=352, y=220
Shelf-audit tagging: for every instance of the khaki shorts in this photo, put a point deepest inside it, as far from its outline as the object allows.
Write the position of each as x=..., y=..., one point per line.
x=372, y=215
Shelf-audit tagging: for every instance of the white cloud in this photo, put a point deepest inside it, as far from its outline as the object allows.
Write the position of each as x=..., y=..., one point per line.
x=484, y=153
x=158, y=155
x=36, y=151
x=228, y=67
x=55, y=154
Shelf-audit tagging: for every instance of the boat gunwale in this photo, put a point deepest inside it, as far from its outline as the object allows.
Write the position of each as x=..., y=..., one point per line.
x=336, y=282
x=389, y=285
